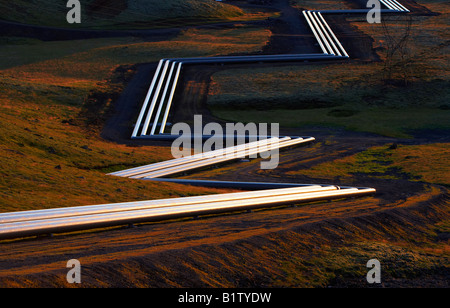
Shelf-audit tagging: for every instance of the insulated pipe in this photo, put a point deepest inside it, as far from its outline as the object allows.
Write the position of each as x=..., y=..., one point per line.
x=325, y=29
x=249, y=186
x=401, y=5
x=388, y=5
x=172, y=137
x=328, y=39
x=141, y=205
x=36, y=227
x=244, y=58
x=168, y=163
x=200, y=155
x=169, y=103
x=200, y=163
x=265, y=59
x=334, y=36
x=325, y=51
x=195, y=157
x=357, y=11
x=147, y=98
x=168, y=166
x=315, y=23
x=214, y=160
x=395, y=5
x=155, y=122
x=109, y=215
x=155, y=97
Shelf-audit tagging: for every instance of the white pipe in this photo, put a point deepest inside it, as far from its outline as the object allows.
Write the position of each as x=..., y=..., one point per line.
x=161, y=102
x=325, y=51
x=198, y=156
x=330, y=50
x=33, y=222
x=150, y=204
x=328, y=38
x=155, y=98
x=401, y=5
x=197, y=163
x=215, y=160
x=169, y=103
x=147, y=98
x=395, y=5
x=28, y=228
x=334, y=36
x=389, y=6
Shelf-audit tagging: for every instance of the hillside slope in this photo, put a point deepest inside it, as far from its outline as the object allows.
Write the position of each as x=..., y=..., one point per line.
x=117, y=13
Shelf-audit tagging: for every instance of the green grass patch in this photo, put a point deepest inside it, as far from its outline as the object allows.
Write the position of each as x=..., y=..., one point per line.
x=427, y=163
x=305, y=96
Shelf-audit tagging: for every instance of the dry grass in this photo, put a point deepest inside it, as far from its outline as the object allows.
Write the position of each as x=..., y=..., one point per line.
x=319, y=5
x=92, y=60
x=120, y=13
x=49, y=162
x=428, y=46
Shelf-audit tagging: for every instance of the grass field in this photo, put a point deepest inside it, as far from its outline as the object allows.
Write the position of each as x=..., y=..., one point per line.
x=353, y=96
x=427, y=163
x=319, y=5
x=120, y=13
x=49, y=158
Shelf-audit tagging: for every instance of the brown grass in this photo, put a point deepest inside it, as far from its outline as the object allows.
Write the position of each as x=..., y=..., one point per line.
x=315, y=245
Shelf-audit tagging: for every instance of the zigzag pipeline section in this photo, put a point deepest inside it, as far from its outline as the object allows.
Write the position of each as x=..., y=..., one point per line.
x=158, y=102
x=151, y=124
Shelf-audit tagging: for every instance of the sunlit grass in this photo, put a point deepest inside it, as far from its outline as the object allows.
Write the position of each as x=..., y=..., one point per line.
x=46, y=164
x=46, y=160
x=334, y=265
x=87, y=60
